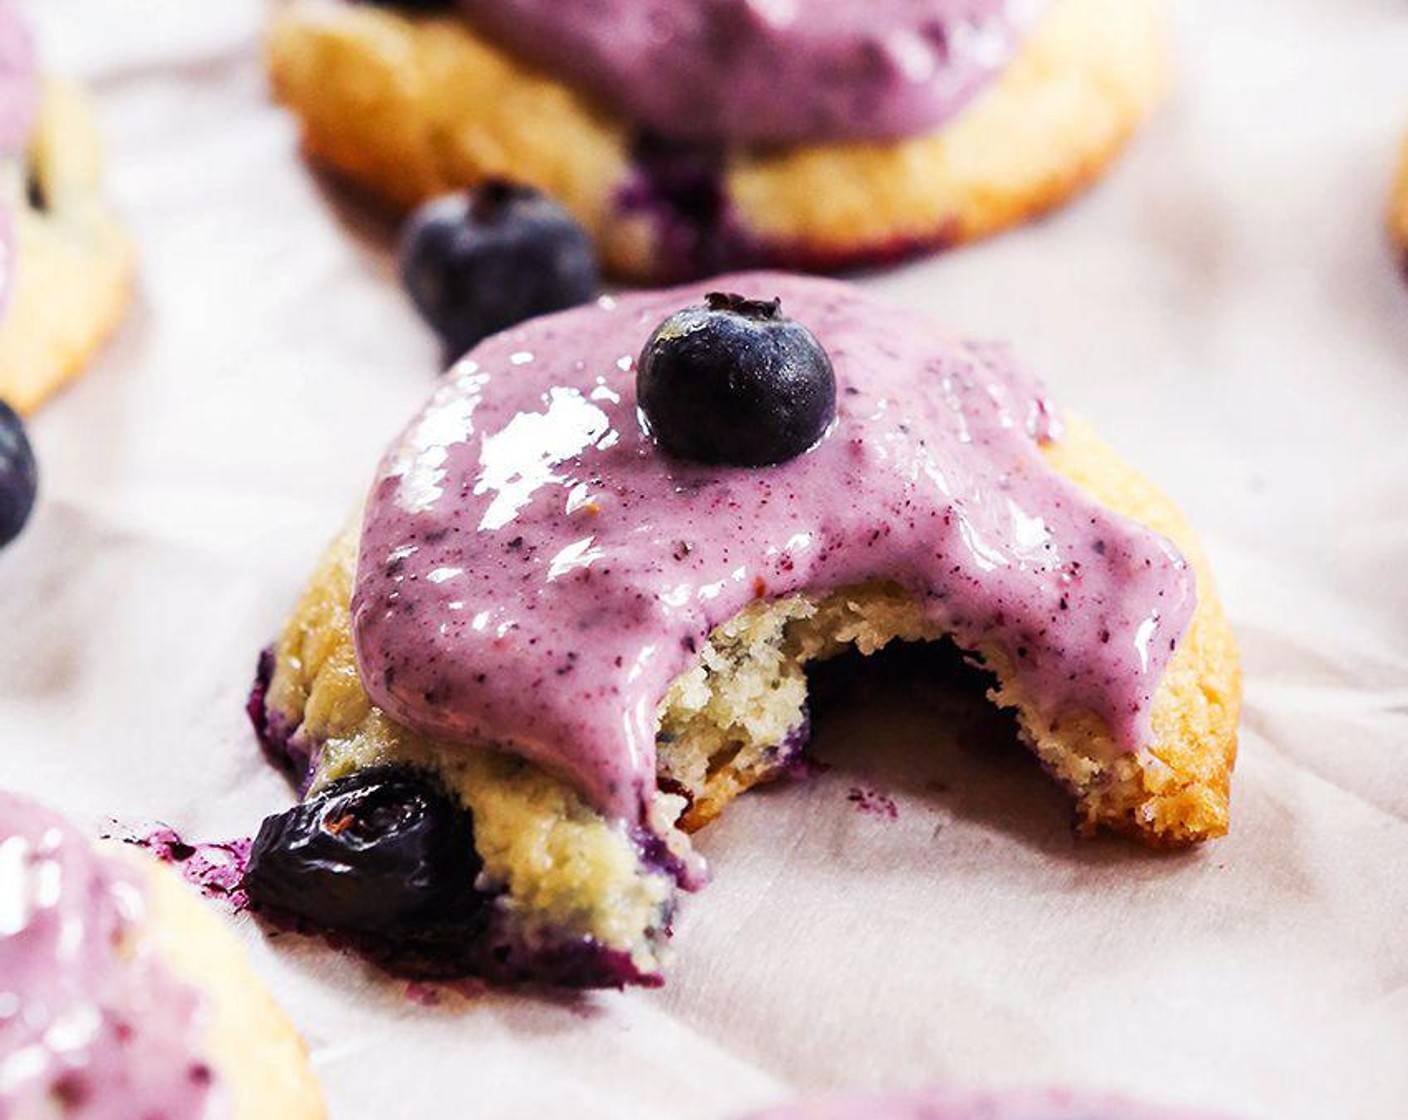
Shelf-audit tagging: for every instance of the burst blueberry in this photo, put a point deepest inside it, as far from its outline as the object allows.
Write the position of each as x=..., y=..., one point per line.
x=478, y=263
x=735, y=383
x=19, y=475
x=375, y=851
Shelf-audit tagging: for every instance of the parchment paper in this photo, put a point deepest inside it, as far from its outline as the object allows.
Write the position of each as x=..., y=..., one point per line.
x=1224, y=306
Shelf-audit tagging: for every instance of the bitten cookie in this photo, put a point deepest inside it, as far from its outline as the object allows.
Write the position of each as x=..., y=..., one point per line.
x=573, y=622
x=413, y=106
x=173, y=1021
x=72, y=262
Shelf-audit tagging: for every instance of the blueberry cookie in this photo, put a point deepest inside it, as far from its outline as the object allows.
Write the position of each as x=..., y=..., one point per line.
x=1054, y=1104
x=121, y=996
x=572, y=622
x=690, y=137
x=1398, y=210
x=65, y=262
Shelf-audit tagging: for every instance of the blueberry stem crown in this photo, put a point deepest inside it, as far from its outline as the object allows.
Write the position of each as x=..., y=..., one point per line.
x=492, y=196
x=758, y=310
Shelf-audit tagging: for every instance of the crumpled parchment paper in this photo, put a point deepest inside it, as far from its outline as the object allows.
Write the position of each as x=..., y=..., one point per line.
x=1224, y=306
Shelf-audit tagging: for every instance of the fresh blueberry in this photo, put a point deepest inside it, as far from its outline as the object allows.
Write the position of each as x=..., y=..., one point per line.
x=19, y=475
x=383, y=847
x=477, y=263
x=735, y=383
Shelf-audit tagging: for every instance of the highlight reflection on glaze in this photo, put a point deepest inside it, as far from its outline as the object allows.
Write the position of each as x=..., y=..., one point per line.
x=540, y=593
x=90, y=1018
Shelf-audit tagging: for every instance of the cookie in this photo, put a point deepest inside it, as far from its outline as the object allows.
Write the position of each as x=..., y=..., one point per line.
x=180, y=1024
x=413, y=106
x=1398, y=209
x=630, y=631
x=73, y=262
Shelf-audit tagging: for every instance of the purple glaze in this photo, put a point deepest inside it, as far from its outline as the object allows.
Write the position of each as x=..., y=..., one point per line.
x=89, y=1015
x=19, y=97
x=1049, y=1104
x=769, y=71
x=533, y=572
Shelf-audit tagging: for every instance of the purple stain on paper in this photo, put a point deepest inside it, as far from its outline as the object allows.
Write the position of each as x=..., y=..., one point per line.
x=873, y=802
x=215, y=868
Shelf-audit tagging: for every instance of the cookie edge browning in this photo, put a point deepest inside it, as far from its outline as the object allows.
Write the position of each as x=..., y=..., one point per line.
x=74, y=264
x=260, y=1061
x=398, y=104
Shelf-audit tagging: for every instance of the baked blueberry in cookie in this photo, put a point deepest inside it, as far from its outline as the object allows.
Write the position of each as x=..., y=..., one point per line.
x=1049, y=1104
x=377, y=849
x=692, y=136
x=65, y=262
x=121, y=997
x=19, y=475
x=477, y=262
x=577, y=610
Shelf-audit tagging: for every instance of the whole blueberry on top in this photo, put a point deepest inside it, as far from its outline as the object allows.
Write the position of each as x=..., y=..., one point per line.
x=477, y=263
x=374, y=850
x=735, y=383
x=19, y=475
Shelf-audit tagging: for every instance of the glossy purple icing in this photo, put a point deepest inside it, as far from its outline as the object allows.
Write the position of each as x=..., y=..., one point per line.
x=533, y=573
x=19, y=95
x=1049, y=1104
x=769, y=71
x=90, y=1018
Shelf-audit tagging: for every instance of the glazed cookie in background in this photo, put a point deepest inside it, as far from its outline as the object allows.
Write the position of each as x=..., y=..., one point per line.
x=1050, y=1104
x=120, y=995
x=66, y=273
x=624, y=608
x=694, y=137
x=1398, y=210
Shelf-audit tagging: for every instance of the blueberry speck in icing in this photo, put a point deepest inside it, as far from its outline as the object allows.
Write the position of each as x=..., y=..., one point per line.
x=384, y=846
x=735, y=383
x=476, y=263
x=19, y=475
